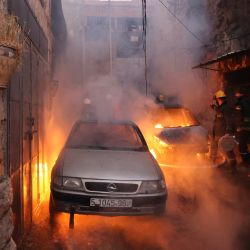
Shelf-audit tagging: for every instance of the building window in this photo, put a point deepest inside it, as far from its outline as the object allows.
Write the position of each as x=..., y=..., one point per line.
x=97, y=28
x=98, y=22
x=129, y=38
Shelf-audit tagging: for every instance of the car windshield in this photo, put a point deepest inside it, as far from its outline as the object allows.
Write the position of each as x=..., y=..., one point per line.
x=174, y=117
x=105, y=136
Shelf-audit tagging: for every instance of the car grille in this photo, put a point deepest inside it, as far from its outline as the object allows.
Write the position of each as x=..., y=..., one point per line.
x=111, y=187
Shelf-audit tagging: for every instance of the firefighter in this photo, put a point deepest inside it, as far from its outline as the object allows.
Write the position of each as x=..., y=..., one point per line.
x=160, y=99
x=222, y=126
x=242, y=125
x=88, y=111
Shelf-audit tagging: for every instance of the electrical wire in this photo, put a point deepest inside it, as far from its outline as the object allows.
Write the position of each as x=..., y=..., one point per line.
x=144, y=38
x=212, y=45
x=178, y=19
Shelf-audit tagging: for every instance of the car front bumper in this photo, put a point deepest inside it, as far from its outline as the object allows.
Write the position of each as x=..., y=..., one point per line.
x=66, y=201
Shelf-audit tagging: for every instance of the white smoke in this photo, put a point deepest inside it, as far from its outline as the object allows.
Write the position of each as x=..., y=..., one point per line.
x=172, y=51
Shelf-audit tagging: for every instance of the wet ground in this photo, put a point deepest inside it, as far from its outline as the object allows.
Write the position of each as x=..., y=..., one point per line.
x=206, y=210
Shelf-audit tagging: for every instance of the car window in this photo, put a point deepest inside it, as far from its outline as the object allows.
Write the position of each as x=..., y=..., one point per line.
x=174, y=117
x=105, y=136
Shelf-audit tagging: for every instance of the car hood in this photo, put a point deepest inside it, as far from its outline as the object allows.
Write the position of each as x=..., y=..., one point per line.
x=108, y=164
x=187, y=135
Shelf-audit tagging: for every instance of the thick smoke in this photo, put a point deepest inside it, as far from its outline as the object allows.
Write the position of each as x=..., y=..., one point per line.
x=201, y=213
x=173, y=50
x=171, y=53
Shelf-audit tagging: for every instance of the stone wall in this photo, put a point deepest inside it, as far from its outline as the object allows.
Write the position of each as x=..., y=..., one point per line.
x=3, y=4
x=230, y=25
x=43, y=15
x=6, y=224
x=3, y=137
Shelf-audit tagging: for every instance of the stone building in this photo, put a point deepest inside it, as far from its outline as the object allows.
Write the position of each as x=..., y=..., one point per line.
x=230, y=23
x=106, y=39
x=228, y=52
x=25, y=106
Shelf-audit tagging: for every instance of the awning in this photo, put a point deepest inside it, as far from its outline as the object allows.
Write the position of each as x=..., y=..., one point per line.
x=222, y=58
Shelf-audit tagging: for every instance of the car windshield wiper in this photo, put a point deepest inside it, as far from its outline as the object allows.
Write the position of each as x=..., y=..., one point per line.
x=128, y=149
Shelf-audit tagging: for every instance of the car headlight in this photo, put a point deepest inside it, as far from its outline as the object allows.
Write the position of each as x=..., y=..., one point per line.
x=150, y=187
x=57, y=180
x=72, y=183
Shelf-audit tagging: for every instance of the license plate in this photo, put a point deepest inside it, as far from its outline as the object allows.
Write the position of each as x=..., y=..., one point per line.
x=99, y=202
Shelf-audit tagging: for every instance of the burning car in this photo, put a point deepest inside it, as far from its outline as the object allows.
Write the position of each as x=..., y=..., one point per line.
x=177, y=136
x=106, y=168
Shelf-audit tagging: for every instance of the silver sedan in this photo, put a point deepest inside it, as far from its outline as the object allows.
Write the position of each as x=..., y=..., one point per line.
x=106, y=168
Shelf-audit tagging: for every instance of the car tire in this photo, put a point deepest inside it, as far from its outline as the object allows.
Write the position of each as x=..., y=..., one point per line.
x=52, y=211
x=51, y=206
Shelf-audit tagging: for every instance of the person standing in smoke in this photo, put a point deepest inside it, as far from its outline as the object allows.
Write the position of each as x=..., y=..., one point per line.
x=88, y=112
x=242, y=125
x=222, y=130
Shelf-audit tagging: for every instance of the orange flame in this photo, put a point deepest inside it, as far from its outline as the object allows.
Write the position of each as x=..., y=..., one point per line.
x=153, y=153
x=158, y=126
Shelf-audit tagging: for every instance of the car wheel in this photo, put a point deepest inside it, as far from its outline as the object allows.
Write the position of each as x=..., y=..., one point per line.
x=51, y=206
x=51, y=211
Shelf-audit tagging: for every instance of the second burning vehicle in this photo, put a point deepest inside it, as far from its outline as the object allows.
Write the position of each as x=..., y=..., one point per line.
x=177, y=137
